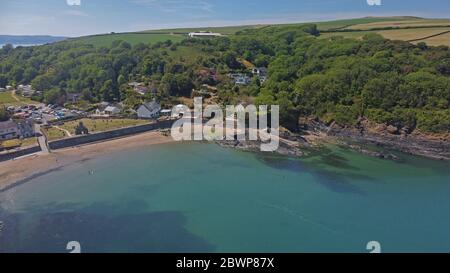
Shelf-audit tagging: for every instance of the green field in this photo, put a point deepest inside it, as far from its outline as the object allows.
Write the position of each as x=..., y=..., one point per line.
x=132, y=38
x=93, y=125
x=227, y=30
x=402, y=24
x=7, y=99
x=15, y=143
x=410, y=28
x=402, y=28
x=438, y=40
x=394, y=34
x=100, y=125
x=347, y=23
x=188, y=54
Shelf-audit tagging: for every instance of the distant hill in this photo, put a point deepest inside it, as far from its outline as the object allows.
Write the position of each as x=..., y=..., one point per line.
x=407, y=28
x=29, y=39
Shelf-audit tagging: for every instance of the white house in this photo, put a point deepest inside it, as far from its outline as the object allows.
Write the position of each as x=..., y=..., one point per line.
x=8, y=130
x=242, y=80
x=149, y=110
x=204, y=34
x=26, y=90
x=112, y=110
x=26, y=128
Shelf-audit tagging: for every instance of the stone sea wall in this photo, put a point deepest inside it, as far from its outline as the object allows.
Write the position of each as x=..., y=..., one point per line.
x=19, y=153
x=90, y=138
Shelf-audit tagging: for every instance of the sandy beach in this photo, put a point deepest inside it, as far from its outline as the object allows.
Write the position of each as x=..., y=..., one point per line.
x=17, y=170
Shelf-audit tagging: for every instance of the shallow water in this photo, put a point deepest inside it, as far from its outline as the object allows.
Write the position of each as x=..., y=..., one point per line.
x=204, y=198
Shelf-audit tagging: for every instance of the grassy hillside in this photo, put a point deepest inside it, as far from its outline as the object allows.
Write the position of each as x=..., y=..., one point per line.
x=132, y=38
x=420, y=22
x=349, y=23
x=227, y=30
x=7, y=99
x=396, y=28
x=401, y=28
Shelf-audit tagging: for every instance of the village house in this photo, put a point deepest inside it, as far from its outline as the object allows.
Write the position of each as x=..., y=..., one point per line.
x=112, y=110
x=261, y=73
x=240, y=78
x=2, y=89
x=149, y=110
x=8, y=130
x=9, y=87
x=26, y=90
x=26, y=128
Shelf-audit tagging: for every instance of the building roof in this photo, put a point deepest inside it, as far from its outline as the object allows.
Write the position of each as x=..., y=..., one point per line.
x=191, y=34
x=7, y=125
x=151, y=106
x=111, y=108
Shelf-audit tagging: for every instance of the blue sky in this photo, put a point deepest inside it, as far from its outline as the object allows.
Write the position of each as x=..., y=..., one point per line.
x=57, y=17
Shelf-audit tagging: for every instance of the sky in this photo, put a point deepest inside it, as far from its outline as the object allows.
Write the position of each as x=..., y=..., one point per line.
x=84, y=17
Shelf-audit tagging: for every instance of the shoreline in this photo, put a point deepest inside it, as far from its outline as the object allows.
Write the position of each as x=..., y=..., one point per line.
x=21, y=170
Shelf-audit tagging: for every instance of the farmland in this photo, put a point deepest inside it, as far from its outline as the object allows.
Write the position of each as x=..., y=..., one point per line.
x=402, y=24
x=402, y=28
x=398, y=34
x=227, y=30
x=396, y=28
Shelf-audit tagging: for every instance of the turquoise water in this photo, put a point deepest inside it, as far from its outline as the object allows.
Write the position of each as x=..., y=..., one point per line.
x=204, y=198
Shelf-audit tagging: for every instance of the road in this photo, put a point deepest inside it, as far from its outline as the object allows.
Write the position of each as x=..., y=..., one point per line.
x=41, y=139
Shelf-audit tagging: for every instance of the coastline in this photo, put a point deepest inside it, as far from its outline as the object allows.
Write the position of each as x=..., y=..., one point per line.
x=23, y=169
x=20, y=170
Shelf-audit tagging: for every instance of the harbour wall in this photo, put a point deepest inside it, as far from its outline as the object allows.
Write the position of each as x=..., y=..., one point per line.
x=117, y=133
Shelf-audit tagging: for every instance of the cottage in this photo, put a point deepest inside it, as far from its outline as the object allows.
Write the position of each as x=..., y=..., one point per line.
x=26, y=128
x=8, y=130
x=26, y=90
x=9, y=87
x=149, y=110
x=2, y=89
x=242, y=80
x=112, y=110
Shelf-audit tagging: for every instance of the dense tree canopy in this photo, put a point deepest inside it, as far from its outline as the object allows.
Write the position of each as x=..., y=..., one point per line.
x=333, y=79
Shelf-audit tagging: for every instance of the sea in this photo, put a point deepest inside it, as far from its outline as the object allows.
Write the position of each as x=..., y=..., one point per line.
x=205, y=198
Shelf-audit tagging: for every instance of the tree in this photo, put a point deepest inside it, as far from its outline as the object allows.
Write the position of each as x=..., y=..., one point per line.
x=121, y=80
x=52, y=96
x=4, y=115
